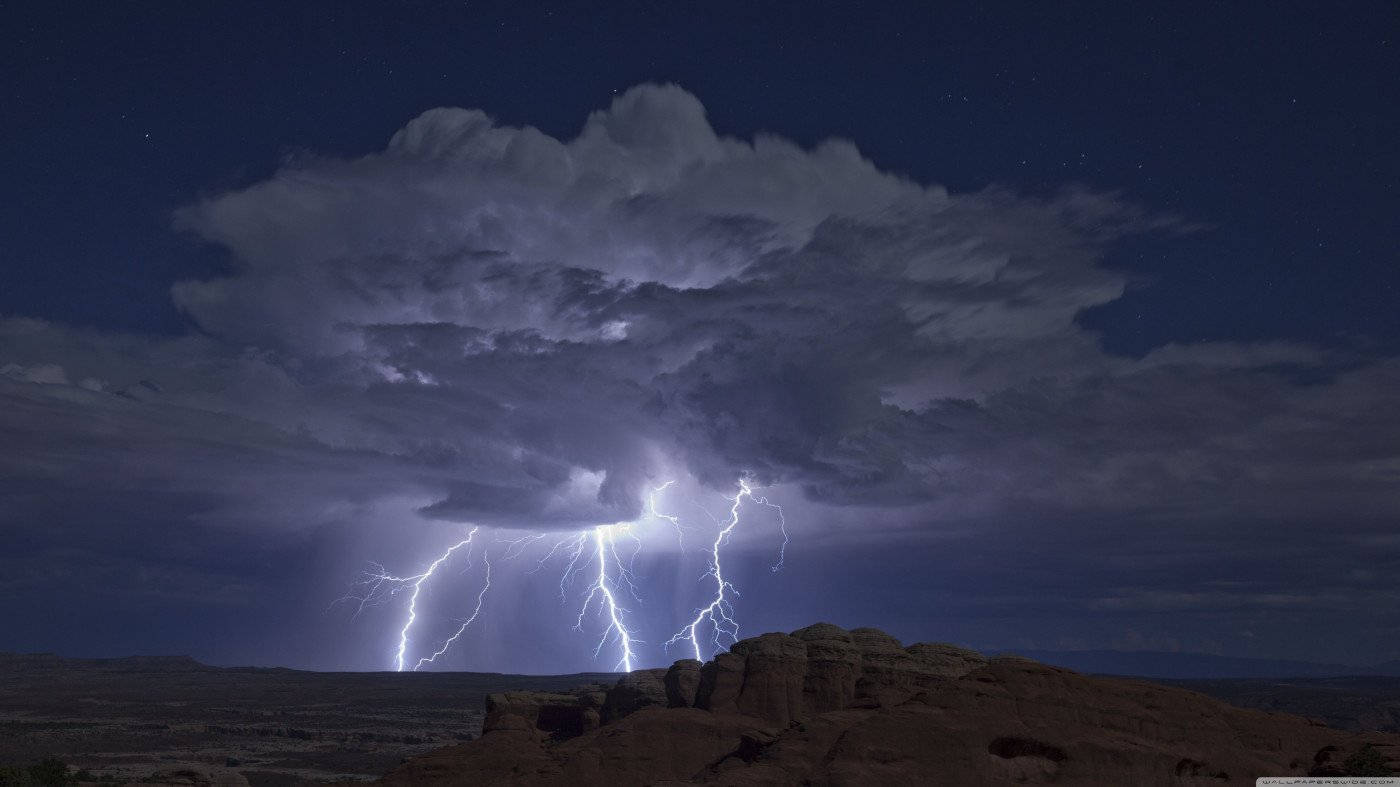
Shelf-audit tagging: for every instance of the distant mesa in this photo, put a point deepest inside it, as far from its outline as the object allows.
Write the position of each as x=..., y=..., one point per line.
x=30, y=661
x=828, y=706
x=1199, y=666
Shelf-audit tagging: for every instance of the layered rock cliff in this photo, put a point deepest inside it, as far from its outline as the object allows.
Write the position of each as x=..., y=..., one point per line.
x=828, y=706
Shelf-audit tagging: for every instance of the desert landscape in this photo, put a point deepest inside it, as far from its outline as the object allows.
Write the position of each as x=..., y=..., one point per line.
x=1049, y=349
x=1352, y=702
x=177, y=721
x=821, y=705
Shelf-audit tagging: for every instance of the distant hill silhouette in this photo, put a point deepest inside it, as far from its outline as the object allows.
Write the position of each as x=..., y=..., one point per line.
x=1356, y=702
x=1196, y=666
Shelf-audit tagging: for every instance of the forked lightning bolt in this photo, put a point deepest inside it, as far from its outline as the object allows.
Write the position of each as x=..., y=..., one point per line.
x=379, y=585
x=418, y=581
x=719, y=613
x=605, y=552
x=613, y=574
x=674, y=520
x=594, y=550
x=480, y=599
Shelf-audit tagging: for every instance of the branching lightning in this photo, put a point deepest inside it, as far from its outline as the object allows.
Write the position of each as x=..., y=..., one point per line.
x=605, y=552
x=418, y=581
x=719, y=613
x=379, y=584
x=595, y=551
x=480, y=599
x=782, y=528
x=674, y=520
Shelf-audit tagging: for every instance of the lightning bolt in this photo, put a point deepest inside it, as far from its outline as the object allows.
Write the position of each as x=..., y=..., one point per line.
x=517, y=546
x=605, y=552
x=379, y=585
x=613, y=575
x=480, y=599
x=719, y=613
x=418, y=581
x=594, y=550
x=574, y=546
x=674, y=520
x=782, y=528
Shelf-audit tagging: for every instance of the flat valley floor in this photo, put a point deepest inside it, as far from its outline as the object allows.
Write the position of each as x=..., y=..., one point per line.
x=174, y=720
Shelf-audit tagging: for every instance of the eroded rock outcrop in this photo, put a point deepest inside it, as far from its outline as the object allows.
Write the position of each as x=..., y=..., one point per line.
x=949, y=661
x=824, y=705
x=682, y=683
x=558, y=714
x=634, y=691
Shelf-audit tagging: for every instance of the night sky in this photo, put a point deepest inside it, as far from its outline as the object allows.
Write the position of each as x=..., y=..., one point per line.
x=1070, y=326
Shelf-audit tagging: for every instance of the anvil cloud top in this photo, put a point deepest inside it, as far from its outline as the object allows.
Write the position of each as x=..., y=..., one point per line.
x=486, y=325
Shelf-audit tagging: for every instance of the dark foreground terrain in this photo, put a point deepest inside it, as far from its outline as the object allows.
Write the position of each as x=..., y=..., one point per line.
x=175, y=720
x=823, y=705
x=1358, y=702
x=826, y=706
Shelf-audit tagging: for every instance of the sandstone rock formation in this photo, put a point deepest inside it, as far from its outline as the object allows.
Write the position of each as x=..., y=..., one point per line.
x=828, y=706
x=682, y=683
x=559, y=714
x=634, y=691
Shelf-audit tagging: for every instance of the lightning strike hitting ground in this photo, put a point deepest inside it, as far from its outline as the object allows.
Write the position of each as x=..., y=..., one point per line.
x=613, y=575
x=719, y=613
x=380, y=585
x=418, y=581
x=480, y=598
x=597, y=549
x=605, y=547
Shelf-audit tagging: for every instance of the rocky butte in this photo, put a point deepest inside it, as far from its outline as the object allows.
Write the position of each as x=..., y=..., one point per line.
x=827, y=706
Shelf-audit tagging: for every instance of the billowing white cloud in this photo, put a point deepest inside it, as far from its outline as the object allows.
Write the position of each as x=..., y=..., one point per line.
x=490, y=317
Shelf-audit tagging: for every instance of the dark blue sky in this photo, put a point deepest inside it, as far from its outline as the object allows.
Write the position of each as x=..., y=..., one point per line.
x=1274, y=126
x=1128, y=383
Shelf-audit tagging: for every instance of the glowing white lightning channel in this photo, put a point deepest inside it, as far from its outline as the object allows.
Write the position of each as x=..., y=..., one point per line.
x=418, y=581
x=719, y=612
x=379, y=585
x=613, y=572
x=480, y=598
x=613, y=575
x=604, y=547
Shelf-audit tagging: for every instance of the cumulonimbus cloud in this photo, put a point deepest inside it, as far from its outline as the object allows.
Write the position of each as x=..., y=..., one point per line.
x=528, y=331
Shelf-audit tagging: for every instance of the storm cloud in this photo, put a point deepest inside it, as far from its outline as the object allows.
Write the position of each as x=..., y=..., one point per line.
x=486, y=324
